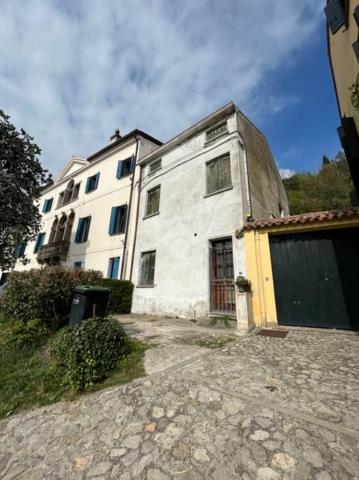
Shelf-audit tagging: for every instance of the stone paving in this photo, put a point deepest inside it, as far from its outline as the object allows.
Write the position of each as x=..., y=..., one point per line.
x=259, y=408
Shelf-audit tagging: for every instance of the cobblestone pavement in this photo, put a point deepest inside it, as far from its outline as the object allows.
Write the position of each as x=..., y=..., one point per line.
x=259, y=408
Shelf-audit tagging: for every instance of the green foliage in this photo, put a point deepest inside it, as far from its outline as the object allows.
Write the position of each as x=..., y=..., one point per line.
x=18, y=334
x=44, y=294
x=120, y=296
x=89, y=351
x=328, y=189
x=354, y=94
x=21, y=180
x=221, y=318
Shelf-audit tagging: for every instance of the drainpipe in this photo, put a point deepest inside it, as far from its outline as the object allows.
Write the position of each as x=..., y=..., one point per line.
x=249, y=203
x=136, y=222
x=129, y=212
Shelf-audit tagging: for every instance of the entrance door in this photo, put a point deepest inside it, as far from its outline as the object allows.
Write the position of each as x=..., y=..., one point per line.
x=222, y=277
x=316, y=278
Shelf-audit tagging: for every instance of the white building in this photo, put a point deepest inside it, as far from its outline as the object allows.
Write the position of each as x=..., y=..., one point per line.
x=196, y=191
x=89, y=213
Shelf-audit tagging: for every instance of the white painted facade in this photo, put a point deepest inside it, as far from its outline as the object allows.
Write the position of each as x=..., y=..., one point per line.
x=189, y=219
x=95, y=253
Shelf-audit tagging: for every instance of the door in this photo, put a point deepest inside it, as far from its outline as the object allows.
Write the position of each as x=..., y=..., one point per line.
x=222, y=277
x=315, y=278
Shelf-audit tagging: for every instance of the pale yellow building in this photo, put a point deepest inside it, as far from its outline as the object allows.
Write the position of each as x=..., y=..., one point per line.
x=343, y=49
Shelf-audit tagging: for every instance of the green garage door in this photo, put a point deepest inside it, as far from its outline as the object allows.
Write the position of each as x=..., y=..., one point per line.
x=316, y=278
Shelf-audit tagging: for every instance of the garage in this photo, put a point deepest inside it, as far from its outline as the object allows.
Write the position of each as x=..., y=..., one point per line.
x=304, y=270
x=316, y=278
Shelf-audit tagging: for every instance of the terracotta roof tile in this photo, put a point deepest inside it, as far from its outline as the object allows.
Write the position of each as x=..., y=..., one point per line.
x=303, y=218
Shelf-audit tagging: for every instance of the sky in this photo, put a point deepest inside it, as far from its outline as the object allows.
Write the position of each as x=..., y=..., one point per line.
x=73, y=72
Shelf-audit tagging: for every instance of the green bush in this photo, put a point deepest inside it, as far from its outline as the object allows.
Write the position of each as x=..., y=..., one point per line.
x=120, y=296
x=89, y=351
x=44, y=293
x=16, y=334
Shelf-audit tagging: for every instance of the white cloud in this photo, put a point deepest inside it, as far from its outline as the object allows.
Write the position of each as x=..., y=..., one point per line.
x=71, y=72
x=286, y=172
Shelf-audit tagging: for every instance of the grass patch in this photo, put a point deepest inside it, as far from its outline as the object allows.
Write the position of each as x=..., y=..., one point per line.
x=29, y=377
x=214, y=342
x=221, y=319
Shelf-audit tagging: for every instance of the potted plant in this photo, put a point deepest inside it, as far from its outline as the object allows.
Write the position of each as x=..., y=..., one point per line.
x=243, y=284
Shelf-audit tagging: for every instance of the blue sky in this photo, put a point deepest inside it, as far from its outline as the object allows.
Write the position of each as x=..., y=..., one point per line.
x=72, y=72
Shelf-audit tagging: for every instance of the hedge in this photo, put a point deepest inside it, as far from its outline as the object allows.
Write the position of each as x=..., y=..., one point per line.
x=120, y=296
x=44, y=294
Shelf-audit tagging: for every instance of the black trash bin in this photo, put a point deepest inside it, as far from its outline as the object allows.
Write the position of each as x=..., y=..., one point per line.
x=87, y=302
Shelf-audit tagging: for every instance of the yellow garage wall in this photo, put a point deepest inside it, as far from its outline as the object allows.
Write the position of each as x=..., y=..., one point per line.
x=259, y=265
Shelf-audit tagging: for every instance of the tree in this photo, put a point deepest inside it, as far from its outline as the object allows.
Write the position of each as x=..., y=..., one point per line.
x=328, y=189
x=21, y=180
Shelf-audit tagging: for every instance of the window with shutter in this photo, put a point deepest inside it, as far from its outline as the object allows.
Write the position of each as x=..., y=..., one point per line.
x=39, y=241
x=336, y=16
x=154, y=166
x=118, y=220
x=153, y=201
x=125, y=167
x=20, y=250
x=113, y=267
x=147, y=269
x=82, y=230
x=47, y=205
x=92, y=183
x=218, y=174
x=216, y=131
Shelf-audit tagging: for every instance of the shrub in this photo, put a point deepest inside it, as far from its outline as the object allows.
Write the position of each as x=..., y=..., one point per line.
x=16, y=334
x=89, y=351
x=44, y=293
x=120, y=296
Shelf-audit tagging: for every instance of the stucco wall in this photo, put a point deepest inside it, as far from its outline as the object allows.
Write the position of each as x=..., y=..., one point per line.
x=265, y=185
x=100, y=247
x=187, y=221
x=345, y=64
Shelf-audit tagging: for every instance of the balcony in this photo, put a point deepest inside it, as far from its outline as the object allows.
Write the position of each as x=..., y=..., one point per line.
x=53, y=253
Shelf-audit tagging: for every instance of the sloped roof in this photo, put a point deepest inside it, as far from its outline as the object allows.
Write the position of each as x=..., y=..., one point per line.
x=73, y=165
x=313, y=217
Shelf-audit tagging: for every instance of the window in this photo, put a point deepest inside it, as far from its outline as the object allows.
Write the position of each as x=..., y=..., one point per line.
x=118, y=220
x=39, y=241
x=217, y=131
x=113, y=267
x=47, y=205
x=20, y=250
x=125, y=167
x=92, y=183
x=336, y=14
x=154, y=166
x=218, y=174
x=147, y=273
x=153, y=201
x=83, y=230
x=78, y=265
x=69, y=195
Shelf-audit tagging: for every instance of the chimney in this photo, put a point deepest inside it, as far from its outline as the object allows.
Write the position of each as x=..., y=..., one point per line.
x=116, y=136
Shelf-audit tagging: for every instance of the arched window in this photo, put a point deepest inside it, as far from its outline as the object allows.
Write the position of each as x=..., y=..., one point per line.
x=53, y=231
x=69, y=192
x=60, y=231
x=69, y=224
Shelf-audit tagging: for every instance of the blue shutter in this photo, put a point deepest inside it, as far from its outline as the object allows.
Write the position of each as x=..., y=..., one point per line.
x=39, y=242
x=113, y=219
x=119, y=172
x=123, y=230
x=88, y=181
x=133, y=163
x=116, y=262
x=17, y=250
x=335, y=13
x=80, y=229
x=96, y=180
x=44, y=207
x=49, y=204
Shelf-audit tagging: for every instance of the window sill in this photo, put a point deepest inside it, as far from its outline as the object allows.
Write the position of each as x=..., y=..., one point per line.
x=218, y=191
x=116, y=234
x=152, y=215
x=145, y=286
